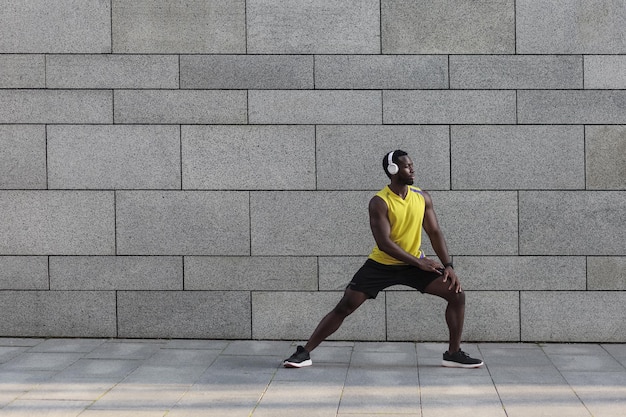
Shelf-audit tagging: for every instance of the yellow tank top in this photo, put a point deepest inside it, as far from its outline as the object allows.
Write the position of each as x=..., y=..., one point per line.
x=406, y=218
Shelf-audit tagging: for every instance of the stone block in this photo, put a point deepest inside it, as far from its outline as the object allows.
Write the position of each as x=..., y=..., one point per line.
x=521, y=273
x=179, y=26
x=518, y=157
x=183, y=223
x=22, y=71
x=516, y=71
x=606, y=273
x=57, y=313
x=250, y=273
x=112, y=71
x=272, y=72
x=248, y=157
x=476, y=222
x=180, y=107
x=23, y=157
x=336, y=271
x=56, y=106
x=605, y=71
x=572, y=222
x=449, y=107
x=605, y=148
x=294, y=316
x=448, y=27
x=313, y=27
x=42, y=26
x=571, y=107
x=305, y=223
x=577, y=316
x=102, y=273
x=570, y=27
x=489, y=316
x=57, y=223
x=314, y=107
x=381, y=72
x=24, y=273
x=184, y=314
x=350, y=157
x=114, y=157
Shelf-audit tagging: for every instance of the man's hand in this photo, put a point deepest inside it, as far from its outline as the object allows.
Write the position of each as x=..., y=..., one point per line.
x=430, y=265
x=454, y=280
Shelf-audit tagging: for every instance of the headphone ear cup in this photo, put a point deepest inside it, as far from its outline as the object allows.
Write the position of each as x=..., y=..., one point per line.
x=392, y=168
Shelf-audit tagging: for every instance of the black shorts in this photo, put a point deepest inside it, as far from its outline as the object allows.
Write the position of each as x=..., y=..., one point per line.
x=374, y=277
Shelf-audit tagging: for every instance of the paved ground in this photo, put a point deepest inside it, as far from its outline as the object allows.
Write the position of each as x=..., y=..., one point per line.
x=185, y=378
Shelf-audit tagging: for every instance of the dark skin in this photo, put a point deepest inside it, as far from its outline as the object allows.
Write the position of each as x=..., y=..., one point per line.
x=448, y=287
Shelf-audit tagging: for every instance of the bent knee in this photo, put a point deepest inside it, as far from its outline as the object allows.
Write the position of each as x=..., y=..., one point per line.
x=344, y=308
x=454, y=298
x=457, y=298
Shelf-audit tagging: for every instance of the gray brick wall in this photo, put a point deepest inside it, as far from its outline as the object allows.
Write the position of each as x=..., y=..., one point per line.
x=194, y=168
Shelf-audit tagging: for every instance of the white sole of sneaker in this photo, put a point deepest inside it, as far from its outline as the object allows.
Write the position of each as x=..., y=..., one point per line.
x=297, y=365
x=450, y=364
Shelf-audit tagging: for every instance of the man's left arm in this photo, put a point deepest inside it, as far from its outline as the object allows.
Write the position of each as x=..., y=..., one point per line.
x=438, y=242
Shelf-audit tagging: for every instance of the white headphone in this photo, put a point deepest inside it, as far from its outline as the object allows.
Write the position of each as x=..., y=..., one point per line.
x=392, y=168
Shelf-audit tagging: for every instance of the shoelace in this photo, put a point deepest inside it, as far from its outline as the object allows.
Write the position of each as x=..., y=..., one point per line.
x=463, y=354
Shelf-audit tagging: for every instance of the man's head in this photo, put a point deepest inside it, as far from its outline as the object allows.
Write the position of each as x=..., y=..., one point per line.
x=398, y=164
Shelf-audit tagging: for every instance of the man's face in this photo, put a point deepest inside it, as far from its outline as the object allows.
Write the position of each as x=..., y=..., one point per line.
x=405, y=174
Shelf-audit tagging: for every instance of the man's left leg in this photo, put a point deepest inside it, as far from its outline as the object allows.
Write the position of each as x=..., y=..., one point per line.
x=455, y=317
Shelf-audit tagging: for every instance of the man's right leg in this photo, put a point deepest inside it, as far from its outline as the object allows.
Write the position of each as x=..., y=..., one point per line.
x=350, y=301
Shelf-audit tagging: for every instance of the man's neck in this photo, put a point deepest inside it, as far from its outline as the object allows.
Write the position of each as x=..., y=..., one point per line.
x=399, y=189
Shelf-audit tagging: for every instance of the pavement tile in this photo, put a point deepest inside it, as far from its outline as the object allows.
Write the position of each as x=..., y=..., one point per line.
x=330, y=354
x=49, y=408
x=197, y=344
x=394, y=347
x=328, y=372
x=383, y=359
x=41, y=361
x=209, y=402
x=73, y=391
x=554, y=349
x=20, y=341
x=514, y=356
x=249, y=347
x=125, y=350
x=525, y=375
x=541, y=400
x=603, y=393
x=182, y=357
x=262, y=364
x=9, y=352
x=282, y=399
x=132, y=396
x=124, y=413
x=165, y=375
x=586, y=363
x=368, y=414
x=67, y=345
x=98, y=369
x=401, y=398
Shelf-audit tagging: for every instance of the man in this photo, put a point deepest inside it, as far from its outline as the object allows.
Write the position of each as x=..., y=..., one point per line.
x=397, y=214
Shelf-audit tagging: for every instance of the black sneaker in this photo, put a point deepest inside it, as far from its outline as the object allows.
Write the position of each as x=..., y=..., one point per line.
x=299, y=359
x=460, y=359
